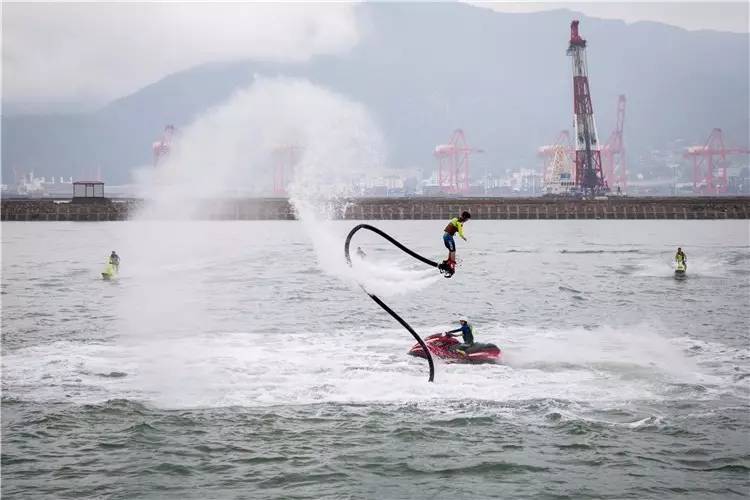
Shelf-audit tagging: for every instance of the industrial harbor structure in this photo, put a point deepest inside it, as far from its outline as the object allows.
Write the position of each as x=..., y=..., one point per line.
x=407, y=208
x=575, y=164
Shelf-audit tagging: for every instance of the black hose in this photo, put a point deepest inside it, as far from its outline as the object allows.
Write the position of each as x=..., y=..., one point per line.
x=377, y=299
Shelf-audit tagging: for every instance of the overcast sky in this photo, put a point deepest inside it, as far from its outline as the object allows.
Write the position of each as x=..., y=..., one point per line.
x=94, y=52
x=722, y=16
x=97, y=51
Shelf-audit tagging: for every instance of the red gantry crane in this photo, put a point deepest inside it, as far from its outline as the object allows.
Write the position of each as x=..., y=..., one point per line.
x=163, y=146
x=588, y=173
x=710, y=164
x=453, y=163
x=613, y=155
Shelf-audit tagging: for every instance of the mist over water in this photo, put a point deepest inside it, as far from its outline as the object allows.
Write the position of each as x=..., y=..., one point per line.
x=229, y=151
x=169, y=307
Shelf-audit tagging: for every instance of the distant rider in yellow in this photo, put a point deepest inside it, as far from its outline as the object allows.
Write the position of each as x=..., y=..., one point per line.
x=456, y=225
x=114, y=259
x=681, y=258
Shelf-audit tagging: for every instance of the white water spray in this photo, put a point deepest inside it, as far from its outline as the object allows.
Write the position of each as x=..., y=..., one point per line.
x=228, y=152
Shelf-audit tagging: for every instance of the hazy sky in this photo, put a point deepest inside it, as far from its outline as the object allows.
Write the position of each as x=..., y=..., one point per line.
x=93, y=52
x=96, y=51
x=723, y=16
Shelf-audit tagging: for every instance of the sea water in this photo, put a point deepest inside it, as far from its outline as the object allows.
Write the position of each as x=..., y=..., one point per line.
x=243, y=360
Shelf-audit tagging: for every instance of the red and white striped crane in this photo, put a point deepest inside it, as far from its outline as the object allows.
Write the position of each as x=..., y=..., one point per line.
x=588, y=176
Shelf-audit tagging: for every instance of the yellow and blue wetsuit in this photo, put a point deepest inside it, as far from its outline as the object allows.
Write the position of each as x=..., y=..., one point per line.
x=453, y=227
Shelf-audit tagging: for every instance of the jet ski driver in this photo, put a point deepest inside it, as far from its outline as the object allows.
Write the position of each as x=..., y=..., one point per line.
x=467, y=332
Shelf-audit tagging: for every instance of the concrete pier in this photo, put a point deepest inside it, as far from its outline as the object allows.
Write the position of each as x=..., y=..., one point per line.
x=398, y=209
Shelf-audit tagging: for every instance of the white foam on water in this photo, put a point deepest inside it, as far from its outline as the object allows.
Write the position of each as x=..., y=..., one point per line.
x=599, y=367
x=699, y=266
x=637, y=345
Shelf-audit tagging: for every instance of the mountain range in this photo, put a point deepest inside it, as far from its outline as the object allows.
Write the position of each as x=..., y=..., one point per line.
x=424, y=70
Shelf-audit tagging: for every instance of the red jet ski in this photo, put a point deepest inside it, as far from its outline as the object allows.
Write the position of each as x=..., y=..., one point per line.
x=444, y=347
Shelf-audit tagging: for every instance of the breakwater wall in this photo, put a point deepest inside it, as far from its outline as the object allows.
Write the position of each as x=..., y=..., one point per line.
x=397, y=209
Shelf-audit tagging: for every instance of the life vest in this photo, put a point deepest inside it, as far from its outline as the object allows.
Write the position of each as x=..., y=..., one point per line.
x=455, y=226
x=470, y=340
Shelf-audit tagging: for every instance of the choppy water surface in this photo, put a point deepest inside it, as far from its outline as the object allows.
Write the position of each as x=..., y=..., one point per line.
x=224, y=363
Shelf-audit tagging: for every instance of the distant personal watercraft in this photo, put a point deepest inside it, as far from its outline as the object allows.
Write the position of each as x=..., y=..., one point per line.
x=109, y=272
x=680, y=270
x=445, y=347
